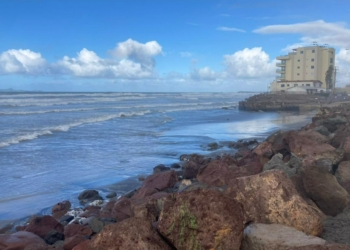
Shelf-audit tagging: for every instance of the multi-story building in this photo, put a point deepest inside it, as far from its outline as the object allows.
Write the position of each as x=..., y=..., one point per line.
x=306, y=67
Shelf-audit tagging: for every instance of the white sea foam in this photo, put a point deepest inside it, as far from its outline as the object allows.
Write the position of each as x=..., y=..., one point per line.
x=66, y=127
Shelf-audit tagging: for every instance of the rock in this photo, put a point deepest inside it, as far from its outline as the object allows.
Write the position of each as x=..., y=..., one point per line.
x=53, y=236
x=19, y=240
x=42, y=225
x=313, y=136
x=64, y=220
x=75, y=229
x=88, y=196
x=42, y=246
x=331, y=123
x=175, y=165
x=242, y=153
x=303, y=147
x=90, y=211
x=290, y=169
x=264, y=151
x=325, y=165
x=190, y=169
x=343, y=175
x=111, y=195
x=194, y=186
x=161, y=181
x=336, y=229
x=273, y=236
x=60, y=209
x=96, y=225
x=71, y=242
x=213, y=146
x=144, y=192
x=83, y=246
x=132, y=233
x=160, y=168
x=324, y=189
x=201, y=219
x=322, y=130
x=183, y=184
x=346, y=147
x=270, y=197
x=218, y=172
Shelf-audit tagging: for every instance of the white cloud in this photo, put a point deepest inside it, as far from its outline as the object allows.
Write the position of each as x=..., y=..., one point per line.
x=142, y=53
x=334, y=34
x=343, y=64
x=230, y=29
x=21, y=62
x=249, y=63
x=185, y=54
x=203, y=74
x=88, y=64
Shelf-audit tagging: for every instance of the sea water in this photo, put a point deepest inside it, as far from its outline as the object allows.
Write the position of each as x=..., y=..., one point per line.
x=54, y=145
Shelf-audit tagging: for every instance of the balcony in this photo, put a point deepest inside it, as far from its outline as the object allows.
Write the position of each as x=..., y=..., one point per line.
x=280, y=64
x=284, y=57
x=280, y=70
x=280, y=78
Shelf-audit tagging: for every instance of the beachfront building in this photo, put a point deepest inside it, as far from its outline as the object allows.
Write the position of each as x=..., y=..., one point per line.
x=310, y=68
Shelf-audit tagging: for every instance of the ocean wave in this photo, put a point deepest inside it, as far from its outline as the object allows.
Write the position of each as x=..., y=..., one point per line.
x=66, y=127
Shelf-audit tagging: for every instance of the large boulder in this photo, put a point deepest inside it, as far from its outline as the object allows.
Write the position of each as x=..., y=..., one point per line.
x=190, y=169
x=331, y=123
x=343, y=175
x=118, y=210
x=19, y=240
x=42, y=225
x=324, y=189
x=202, y=219
x=346, y=147
x=303, y=147
x=219, y=172
x=275, y=237
x=270, y=197
x=76, y=229
x=132, y=233
x=161, y=181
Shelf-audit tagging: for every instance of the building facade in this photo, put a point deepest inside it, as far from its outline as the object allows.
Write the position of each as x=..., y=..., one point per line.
x=311, y=66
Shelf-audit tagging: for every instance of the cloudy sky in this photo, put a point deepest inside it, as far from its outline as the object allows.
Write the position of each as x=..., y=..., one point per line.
x=162, y=45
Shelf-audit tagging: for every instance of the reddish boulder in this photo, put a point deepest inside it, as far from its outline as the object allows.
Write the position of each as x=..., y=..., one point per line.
x=76, y=229
x=144, y=192
x=71, y=242
x=343, y=175
x=324, y=189
x=119, y=210
x=42, y=225
x=303, y=147
x=313, y=136
x=202, y=219
x=270, y=197
x=264, y=152
x=218, y=173
x=132, y=233
x=42, y=246
x=161, y=181
x=82, y=246
x=19, y=240
x=90, y=211
x=346, y=147
x=60, y=209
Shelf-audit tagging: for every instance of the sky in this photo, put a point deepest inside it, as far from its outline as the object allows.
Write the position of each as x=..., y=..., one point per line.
x=162, y=45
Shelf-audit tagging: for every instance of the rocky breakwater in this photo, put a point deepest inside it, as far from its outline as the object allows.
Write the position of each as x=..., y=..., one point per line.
x=281, y=102
x=291, y=191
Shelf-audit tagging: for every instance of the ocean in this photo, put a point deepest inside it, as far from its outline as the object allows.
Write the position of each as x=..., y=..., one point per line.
x=55, y=145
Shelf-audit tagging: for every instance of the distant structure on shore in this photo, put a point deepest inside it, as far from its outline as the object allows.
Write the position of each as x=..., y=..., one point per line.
x=306, y=70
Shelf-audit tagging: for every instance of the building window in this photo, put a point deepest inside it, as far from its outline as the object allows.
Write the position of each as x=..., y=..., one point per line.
x=282, y=85
x=299, y=60
x=301, y=52
x=295, y=84
x=298, y=67
x=312, y=67
x=308, y=84
x=313, y=51
x=302, y=84
x=298, y=74
x=287, y=85
x=331, y=60
x=312, y=60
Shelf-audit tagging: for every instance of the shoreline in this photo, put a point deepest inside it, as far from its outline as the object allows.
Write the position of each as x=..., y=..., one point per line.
x=132, y=183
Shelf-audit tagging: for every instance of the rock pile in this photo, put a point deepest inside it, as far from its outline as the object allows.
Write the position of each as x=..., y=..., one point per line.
x=286, y=193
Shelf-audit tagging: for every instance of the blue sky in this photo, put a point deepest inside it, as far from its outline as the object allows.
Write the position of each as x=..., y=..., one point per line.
x=161, y=45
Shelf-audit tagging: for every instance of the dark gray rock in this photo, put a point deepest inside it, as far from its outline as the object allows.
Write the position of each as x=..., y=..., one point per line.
x=111, y=195
x=53, y=236
x=88, y=196
x=175, y=165
x=160, y=168
x=64, y=220
x=322, y=130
